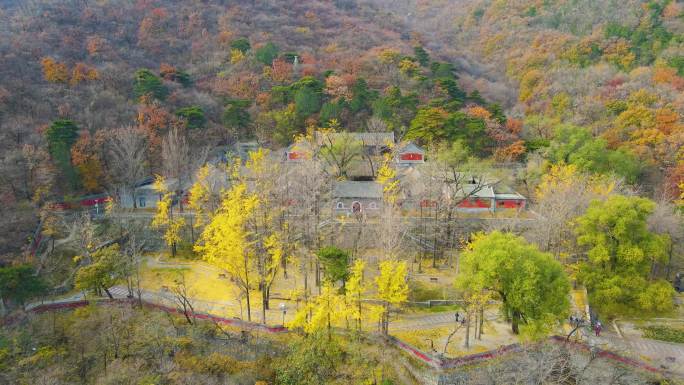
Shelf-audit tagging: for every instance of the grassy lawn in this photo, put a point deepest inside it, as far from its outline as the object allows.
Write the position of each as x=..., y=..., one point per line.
x=219, y=295
x=670, y=333
x=427, y=339
x=201, y=284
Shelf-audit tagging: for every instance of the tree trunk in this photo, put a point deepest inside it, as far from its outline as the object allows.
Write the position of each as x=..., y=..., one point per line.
x=284, y=264
x=476, y=324
x=466, y=344
x=249, y=309
x=329, y=328
x=358, y=320
x=192, y=230
x=185, y=313
x=480, y=332
x=386, y=319
x=668, y=268
x=108, y=293
x=515, y=322
x=179, y=194
x=264, y=304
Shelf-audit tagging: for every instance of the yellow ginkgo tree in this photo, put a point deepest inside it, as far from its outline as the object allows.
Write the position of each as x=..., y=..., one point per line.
x=326, y=310
x=392, y=287
x=354, y=289
x=164, y=218
x=391, y=223
x=268, y=225
x=225, y=241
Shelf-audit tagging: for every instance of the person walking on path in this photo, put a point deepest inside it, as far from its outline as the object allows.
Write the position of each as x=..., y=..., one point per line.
x=597, y=329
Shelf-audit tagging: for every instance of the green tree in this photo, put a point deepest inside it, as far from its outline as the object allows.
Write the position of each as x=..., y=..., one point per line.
x=241, y=44
x=421, y=55
x=441, y=70
x=61, y=136
x=335, y=263
x=286, y=124
x=576, y=145
x=236, y=116
x=267, y=53
x=308, y=93
x=531, y=285
x=107, y=268
x=193, y=115
x=19, y=283
x=362, y=96
x=310, y=361
x=452, y=89
x=396, y=108
x=429, y=125
x=621, y=254
x=331, y=111
x=147, y=83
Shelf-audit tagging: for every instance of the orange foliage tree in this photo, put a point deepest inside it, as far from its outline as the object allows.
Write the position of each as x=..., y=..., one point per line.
x=81, y=73
x=85, y=156
x=281, y=71
x=54, y=71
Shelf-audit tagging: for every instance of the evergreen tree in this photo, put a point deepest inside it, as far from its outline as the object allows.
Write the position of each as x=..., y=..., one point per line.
x=335, y=263
x=193, y=115
x=236, y=116
x=267, y=53
x=241, y=44
x=147, y=83
x=61, y=136
x=19, y=283
x=421, y=55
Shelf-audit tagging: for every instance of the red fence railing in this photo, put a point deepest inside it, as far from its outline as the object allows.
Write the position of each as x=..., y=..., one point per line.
x=435, y=362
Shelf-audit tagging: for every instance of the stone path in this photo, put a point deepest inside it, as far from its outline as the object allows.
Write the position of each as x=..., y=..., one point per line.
x=664, y=355
x=660, y=354
x=426, y=321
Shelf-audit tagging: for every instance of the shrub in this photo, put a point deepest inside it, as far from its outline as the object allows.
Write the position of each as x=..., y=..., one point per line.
x=664, y=333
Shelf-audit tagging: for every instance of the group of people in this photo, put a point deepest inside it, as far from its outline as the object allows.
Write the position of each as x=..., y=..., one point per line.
x=595, y=324
x=574, y=321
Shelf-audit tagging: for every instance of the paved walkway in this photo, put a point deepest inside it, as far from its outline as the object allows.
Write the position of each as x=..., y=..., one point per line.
x=432, y=320
x=663, y=355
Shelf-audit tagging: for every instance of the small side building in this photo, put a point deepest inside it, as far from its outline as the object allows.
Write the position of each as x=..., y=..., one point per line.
x=510, y=200
x=409, y=154
x=146, y=197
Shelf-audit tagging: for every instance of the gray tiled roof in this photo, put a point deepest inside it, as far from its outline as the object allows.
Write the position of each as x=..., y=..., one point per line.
x=368, y=138
x=410, y=147
x=514, y=195
x=477, y=191
x=355, y=189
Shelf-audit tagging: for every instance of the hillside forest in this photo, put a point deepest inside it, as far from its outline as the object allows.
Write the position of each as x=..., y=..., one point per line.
x=577, y=105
